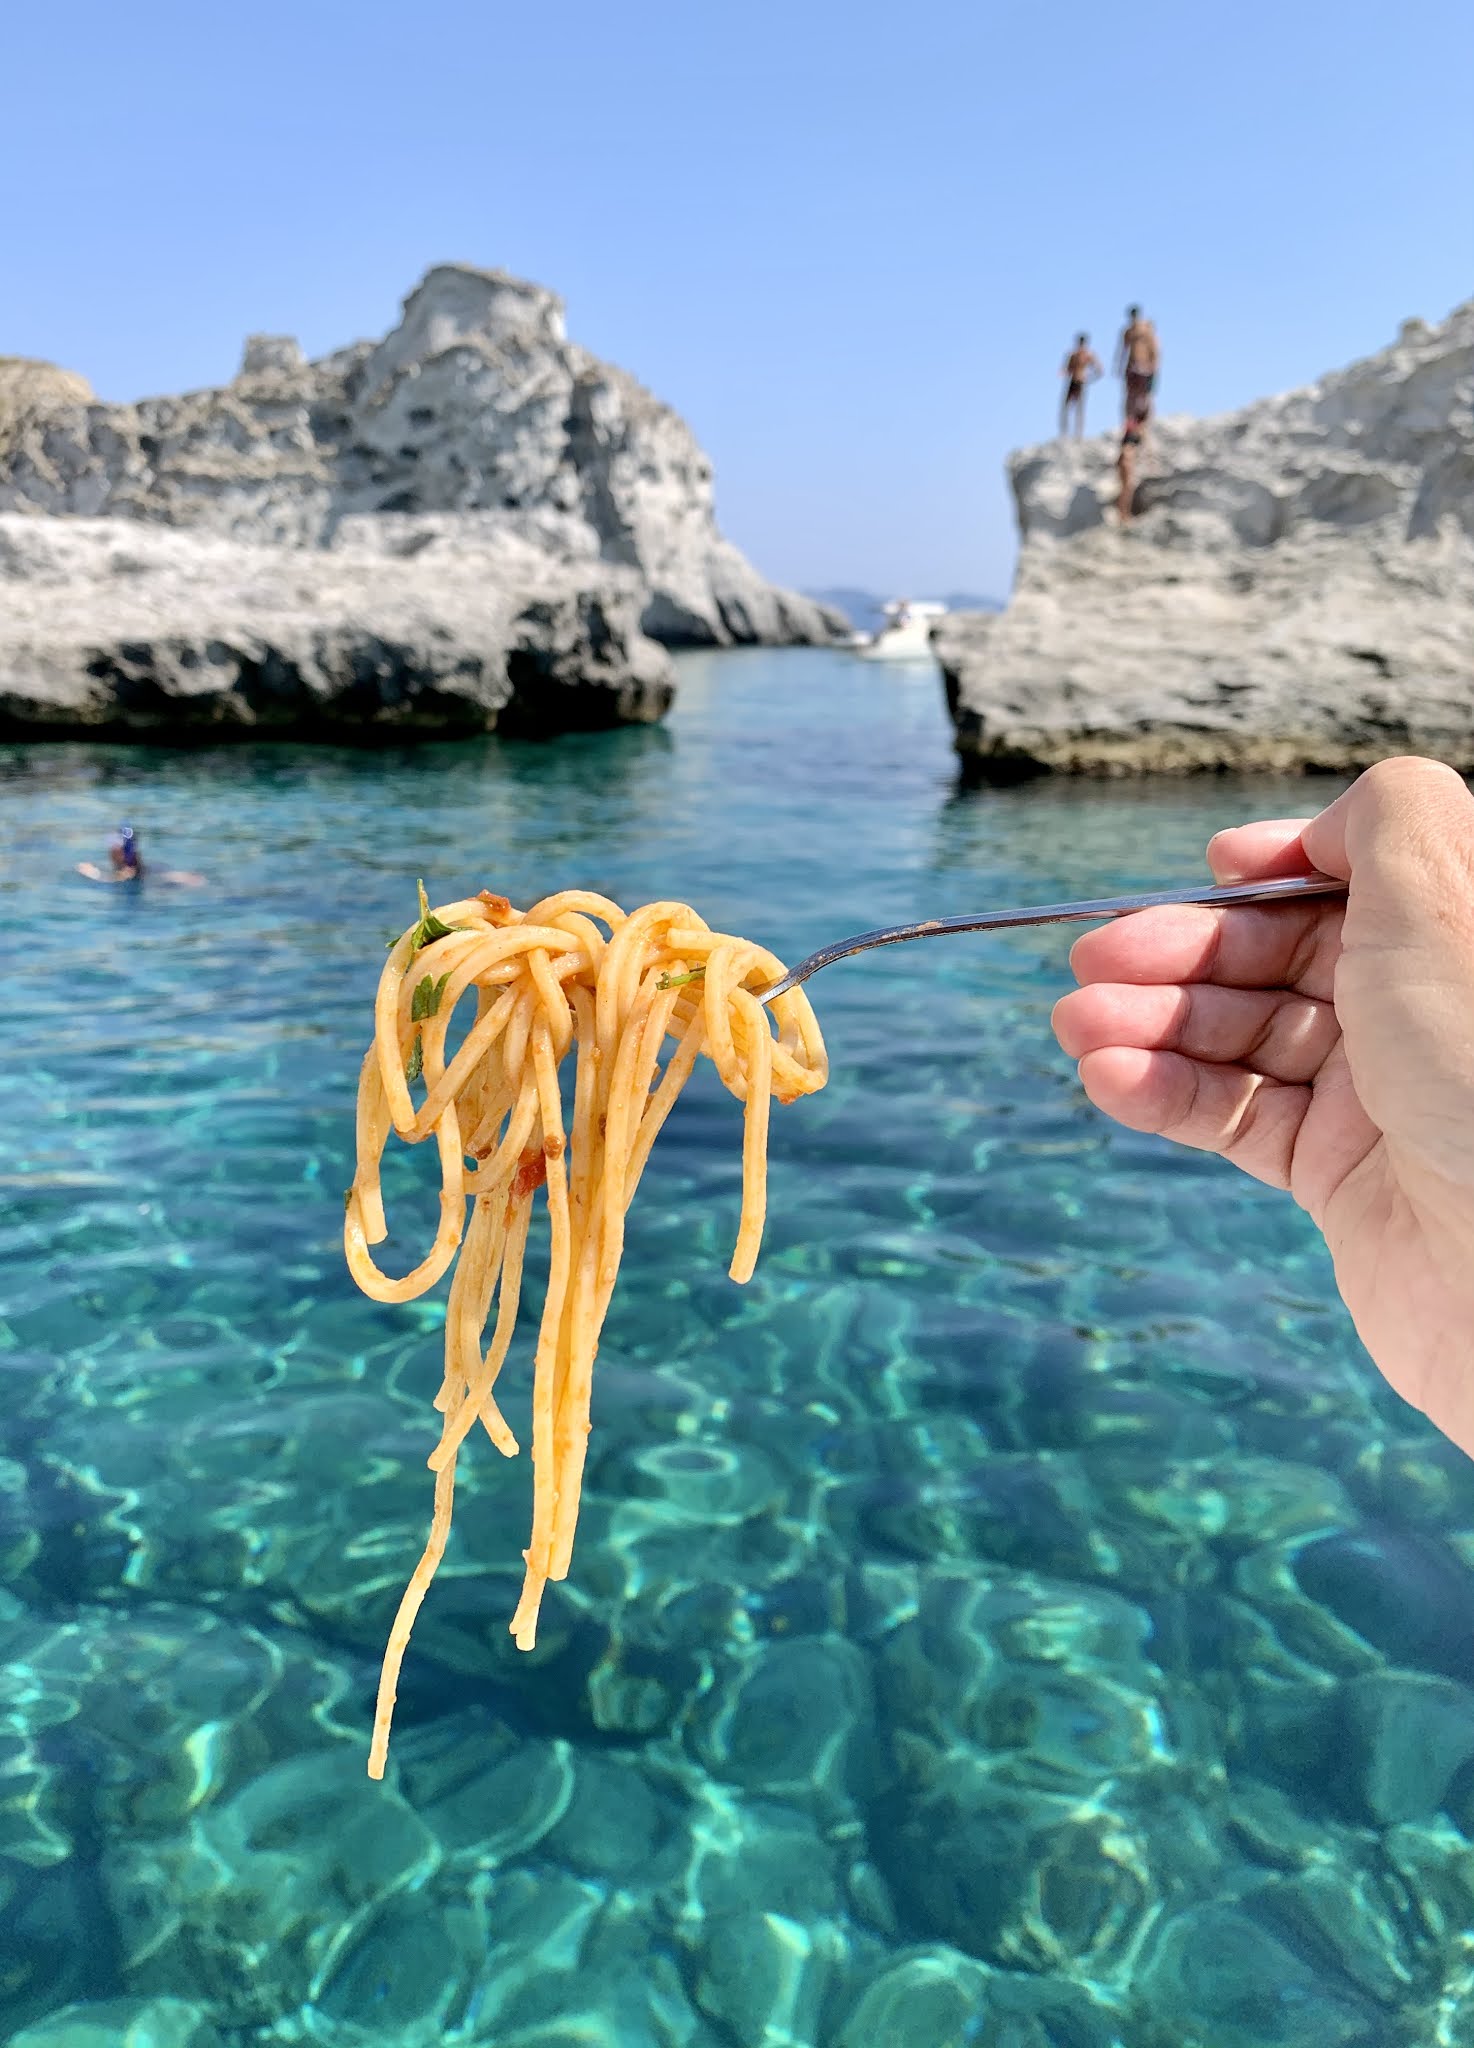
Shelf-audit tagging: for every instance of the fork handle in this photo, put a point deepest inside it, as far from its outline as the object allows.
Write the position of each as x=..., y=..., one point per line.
x=1287, y=888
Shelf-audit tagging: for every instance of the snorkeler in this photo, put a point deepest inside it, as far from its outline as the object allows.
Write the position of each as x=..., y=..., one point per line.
x=125, y=864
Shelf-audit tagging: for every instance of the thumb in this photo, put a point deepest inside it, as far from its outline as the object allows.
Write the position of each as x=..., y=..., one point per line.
x=1403, y=835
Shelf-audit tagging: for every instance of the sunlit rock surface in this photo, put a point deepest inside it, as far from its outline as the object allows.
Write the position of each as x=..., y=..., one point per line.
x=472, y=524
x=1295, y=590
x=401, y=629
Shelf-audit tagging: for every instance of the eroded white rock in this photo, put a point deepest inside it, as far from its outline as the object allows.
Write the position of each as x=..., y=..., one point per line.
x=1296, y=589
x=475, y=404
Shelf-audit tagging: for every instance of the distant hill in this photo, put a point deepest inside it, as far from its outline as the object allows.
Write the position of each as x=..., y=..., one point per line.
x=863, y=608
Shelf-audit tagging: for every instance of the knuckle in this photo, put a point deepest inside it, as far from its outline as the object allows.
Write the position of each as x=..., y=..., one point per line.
x=1408, y=777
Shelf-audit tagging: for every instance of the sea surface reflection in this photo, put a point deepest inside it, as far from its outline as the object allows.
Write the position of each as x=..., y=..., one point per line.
x=1020, y=1617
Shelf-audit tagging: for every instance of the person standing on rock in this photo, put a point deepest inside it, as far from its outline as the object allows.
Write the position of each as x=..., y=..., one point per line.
x=1131, y=439
x=1081, y=367
x=1138, y=358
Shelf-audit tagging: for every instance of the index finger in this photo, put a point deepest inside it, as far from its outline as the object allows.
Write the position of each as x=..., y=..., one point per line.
x=1278, y=945
x=1260, y=852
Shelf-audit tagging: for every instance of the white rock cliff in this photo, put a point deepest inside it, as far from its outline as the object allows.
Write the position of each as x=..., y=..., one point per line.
x=472, y=497
x=1295, y=590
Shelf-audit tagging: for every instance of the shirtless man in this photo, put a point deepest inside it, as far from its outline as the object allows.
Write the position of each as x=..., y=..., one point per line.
x=1138, y=358
x=1081, y=367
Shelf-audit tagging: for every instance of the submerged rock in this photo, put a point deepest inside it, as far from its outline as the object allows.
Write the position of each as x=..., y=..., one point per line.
x=123, y=2023
x=1296, y=589
x=1227, y=1977
x=791, y=1722
x=1024, y=1880
x=764, y=1977
x=1402, y=1738
x=936, y=1995
x=258, y=1905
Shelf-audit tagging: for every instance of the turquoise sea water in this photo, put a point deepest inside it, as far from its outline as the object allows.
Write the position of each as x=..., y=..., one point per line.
x=1020, y=1617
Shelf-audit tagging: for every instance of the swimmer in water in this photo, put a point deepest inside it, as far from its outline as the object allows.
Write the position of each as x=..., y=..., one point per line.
x=125, y=864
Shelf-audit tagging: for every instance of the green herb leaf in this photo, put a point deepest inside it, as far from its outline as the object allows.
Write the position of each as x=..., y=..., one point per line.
x=415, y=1064
x=680, y=980
x=426, y=999
x=430, y=928
x=347, y=1200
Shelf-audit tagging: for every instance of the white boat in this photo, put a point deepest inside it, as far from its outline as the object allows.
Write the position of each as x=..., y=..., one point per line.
x=906, y=634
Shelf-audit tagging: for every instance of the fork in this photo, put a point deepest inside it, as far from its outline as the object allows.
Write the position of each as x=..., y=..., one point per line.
x=1287, y=889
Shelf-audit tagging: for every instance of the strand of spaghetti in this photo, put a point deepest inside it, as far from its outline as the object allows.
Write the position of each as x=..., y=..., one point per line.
x=586, y=1199
x=628, y=1100
x=588, y=1305
x=800, y=1064
x=619, y=1113
x=585, y=902
x=388, y=1025
x=546, y=1360
x=460, y=1422
x=502, y=1162
x=598, y=1271
x=623, y=965
x=591, y=941
x=677, y=1073
x=404, y=1619
x=386, y=1034
x=378, y=1285
x=519, y=1030
x=759, y=1065
x=370, y=1138
x=554, y=1001
x=466, y=957
x=639, y=1049
x=565, y=963
x=725, y=966
x=480, y=1245
x=464, y=1368
x=465, y=961
x=473, y=1049
x=472, y=1098
x=495, y=1106
x=585, y=1082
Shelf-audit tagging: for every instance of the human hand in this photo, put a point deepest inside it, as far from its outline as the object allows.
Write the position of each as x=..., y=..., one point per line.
x=1325, y=1047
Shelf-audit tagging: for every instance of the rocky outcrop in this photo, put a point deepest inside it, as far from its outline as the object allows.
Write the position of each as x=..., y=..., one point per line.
x=400, y=629
x=1295, y=589
x=472, y=523
x=475, y=403
x=31, y=394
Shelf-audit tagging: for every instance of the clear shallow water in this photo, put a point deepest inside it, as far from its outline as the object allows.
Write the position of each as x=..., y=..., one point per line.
x=1019, y=1617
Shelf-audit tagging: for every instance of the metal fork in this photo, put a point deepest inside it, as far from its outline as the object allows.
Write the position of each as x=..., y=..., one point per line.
x=1289, y=889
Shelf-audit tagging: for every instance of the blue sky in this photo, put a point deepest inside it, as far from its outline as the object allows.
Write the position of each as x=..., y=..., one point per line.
x=849, y=242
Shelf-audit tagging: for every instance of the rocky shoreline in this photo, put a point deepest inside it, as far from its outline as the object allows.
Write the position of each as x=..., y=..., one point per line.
x=1294, y=592
x=472, y=525
x=114, y=630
